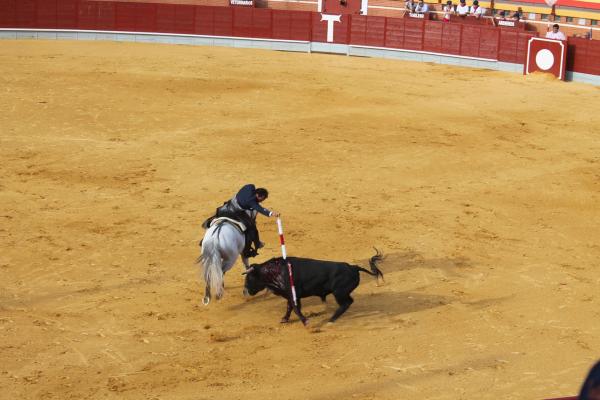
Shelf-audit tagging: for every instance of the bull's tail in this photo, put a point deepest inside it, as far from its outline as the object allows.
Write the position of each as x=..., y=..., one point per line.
x=375, y=271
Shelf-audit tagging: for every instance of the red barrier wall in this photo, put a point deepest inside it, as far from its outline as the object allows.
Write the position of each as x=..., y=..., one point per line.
x=432, y=36
x=482, y=41
x=451, y=38
x=394, y=33
x=583, y=56
x=291, y=25
x=67, y=13
x=375, y=35
x=414, y=30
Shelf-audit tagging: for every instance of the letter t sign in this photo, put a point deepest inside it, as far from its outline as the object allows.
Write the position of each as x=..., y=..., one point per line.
x=330, y=20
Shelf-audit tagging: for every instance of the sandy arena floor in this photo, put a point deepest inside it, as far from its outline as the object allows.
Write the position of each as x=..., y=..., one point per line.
x=481, y=187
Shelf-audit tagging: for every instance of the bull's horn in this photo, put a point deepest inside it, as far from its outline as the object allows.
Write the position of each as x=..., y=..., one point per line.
x=248, y=271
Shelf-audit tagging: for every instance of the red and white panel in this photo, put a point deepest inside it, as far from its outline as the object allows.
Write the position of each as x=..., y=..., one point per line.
x=546, y=55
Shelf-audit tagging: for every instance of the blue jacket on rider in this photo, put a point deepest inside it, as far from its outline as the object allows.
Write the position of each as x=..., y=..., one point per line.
x=246, y=198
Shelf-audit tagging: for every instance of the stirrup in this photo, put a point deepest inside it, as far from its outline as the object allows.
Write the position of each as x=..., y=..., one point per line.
x=250, y=253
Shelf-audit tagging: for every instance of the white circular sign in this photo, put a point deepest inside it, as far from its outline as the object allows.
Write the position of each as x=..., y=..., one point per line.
x=544, y=59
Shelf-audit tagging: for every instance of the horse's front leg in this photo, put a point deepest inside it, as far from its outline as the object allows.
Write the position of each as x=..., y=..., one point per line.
x=206, y=299
x=246, y=262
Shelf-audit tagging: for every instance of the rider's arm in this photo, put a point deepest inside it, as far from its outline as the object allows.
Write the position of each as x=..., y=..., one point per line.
x=260, y=209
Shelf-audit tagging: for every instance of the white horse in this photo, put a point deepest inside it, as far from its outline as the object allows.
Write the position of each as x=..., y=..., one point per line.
x=222, y=244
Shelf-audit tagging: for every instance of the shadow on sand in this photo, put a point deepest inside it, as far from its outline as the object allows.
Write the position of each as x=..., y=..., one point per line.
x=382, y=301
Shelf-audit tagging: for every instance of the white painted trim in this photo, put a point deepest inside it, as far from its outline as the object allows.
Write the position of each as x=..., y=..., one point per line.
x=423, y=52
x=562, y=53
x=549, y=23
x=389, y=8
x=155, y=34
x=528, y=54
x=293, y=1
x=330, y=18
x=364, y=7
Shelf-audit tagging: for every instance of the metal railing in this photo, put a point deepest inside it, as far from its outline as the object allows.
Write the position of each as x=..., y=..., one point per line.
x=590, y=29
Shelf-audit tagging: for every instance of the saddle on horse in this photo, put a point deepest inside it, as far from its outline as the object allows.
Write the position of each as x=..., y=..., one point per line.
x=229, y=210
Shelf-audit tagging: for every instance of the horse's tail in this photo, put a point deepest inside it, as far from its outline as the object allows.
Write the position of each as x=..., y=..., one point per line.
x=375, y=271
x=211, y=263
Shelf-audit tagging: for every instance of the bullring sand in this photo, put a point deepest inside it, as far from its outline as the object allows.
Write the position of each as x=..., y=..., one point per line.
x=481, y=187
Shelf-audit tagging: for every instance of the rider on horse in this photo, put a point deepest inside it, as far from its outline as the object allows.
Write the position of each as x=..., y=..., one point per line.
x=244, y=207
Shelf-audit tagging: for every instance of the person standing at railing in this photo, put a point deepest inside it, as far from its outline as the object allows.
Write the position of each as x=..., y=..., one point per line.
x=555, y=33
x=421, y=8
x=518, y=15
x=410, y=6
x=476, y=11
x=448, y=10
x=462, y=9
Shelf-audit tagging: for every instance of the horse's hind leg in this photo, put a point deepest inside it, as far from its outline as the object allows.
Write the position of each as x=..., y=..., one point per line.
x=246, y=262
x=227, y=264
x=206, y=299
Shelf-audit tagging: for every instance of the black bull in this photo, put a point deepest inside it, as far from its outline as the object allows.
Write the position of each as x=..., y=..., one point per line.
x=311, y=278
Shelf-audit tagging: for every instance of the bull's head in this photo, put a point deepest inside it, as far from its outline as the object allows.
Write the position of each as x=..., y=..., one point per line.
x=253, y=284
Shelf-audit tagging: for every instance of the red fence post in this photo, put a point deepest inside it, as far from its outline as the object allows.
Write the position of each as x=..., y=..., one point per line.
x=35, y=11
x=498, y=44
x=272, y=35
x=385, y=32
x=423, y=34
x=77, y=13
x=155, y=19
x=311, y=26
x=460, y=39
x=348, y=38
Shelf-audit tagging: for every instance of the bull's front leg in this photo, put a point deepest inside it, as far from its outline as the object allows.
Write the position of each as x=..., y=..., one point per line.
x=286, y=317
x=298, y=311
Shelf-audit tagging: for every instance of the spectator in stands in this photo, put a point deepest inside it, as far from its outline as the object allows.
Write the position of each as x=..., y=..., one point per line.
x=476, y=11
x=448, y=10
x=421, y=8
x=462, y=9
x=591, y=386
x=501, y=15
x=410, y=6
x=518, y=15
x=555, y=33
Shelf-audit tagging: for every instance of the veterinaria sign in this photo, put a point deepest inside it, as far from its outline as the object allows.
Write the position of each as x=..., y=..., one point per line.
x=248, y=3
